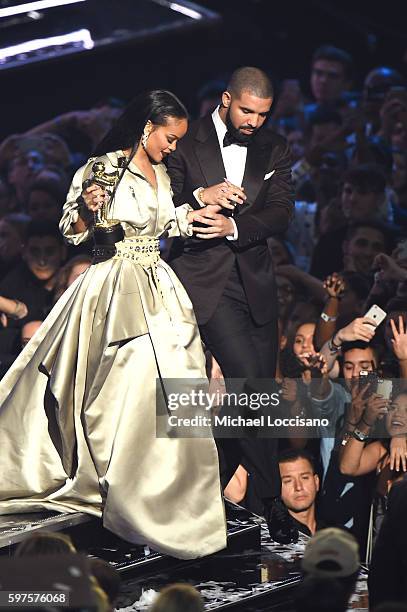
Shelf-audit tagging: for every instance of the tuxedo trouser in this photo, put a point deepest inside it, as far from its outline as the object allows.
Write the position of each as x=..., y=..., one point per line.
x=244, y=350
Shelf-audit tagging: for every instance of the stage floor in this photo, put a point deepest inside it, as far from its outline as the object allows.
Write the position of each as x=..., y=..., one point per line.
x=253, y=574
x=246, y=580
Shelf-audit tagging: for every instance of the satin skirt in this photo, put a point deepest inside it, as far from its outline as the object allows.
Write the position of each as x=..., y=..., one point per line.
x=78, y=414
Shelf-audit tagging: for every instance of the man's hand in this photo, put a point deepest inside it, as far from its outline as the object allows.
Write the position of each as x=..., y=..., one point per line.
x=334, y=285
x=358, y=329
x=223, y=194
x=389, y=270
x=289, y=389
x=399, y=340
x=376, y=408
x=315, y=362
x=219, y=226
x=358, y=404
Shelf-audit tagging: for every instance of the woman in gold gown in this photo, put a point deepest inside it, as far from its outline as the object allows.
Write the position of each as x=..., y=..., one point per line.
x=78, y=406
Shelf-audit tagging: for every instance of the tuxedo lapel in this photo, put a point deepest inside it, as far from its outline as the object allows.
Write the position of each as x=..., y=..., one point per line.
x=256, y=165
x=208, y=152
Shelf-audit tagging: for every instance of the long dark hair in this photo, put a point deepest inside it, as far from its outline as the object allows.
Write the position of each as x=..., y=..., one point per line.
x=156, y=106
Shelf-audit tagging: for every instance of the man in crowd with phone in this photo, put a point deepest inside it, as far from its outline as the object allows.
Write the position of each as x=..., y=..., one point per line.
x=229, y=161
x=345, y=500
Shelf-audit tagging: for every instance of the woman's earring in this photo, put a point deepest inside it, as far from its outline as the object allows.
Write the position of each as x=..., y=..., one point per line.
x=144, y=139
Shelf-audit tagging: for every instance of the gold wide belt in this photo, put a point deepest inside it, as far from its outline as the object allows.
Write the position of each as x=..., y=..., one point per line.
x=142, y=249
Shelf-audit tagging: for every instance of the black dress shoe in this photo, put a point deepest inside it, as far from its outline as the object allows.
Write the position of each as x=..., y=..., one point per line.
x=280, y=523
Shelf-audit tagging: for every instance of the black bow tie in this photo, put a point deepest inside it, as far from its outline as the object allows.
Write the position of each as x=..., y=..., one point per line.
x=229, y=139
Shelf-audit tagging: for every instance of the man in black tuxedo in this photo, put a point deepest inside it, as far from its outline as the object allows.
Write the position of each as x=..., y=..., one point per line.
x=229, y=163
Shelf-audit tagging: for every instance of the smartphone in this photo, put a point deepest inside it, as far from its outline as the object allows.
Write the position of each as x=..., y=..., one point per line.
x=377, y=314
x=368, y=377
x=384, y=388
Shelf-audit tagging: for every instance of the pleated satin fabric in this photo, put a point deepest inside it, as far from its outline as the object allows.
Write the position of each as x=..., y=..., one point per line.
x=78, y=406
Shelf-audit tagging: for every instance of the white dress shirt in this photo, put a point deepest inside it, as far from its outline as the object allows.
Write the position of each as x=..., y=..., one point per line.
x=234, y=156
x=234, y=160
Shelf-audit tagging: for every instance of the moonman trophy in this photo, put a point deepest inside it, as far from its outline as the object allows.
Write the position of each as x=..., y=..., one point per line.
x=107, y=231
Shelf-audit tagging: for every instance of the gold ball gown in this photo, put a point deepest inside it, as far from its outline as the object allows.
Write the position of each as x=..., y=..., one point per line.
x=78, y=406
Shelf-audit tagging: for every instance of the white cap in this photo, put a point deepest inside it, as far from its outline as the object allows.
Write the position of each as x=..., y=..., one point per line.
x=333, y=545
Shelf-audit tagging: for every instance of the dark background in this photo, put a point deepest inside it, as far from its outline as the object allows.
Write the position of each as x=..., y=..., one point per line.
x=277, y=36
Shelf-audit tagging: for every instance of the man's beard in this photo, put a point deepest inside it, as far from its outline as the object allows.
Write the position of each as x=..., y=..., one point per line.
x=236, y=133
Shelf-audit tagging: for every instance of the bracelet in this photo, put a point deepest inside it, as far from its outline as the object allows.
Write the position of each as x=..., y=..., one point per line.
x=332, y=346
x=333, y=343
x=359, y=435
x=327, y=318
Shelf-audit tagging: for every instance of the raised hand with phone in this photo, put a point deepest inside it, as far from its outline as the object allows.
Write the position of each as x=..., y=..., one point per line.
x=358, y=458
x=361, y=328
x=368, y=405
x=376, y=408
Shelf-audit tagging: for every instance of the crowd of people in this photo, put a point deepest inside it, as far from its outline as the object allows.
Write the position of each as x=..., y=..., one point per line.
x=344, y=251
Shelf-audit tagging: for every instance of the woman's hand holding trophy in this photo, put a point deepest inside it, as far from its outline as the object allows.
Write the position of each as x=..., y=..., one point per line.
x=94, y=197
x=98, y=191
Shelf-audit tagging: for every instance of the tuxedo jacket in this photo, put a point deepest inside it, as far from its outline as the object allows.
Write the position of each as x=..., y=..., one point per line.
x=204, y=266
